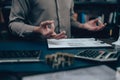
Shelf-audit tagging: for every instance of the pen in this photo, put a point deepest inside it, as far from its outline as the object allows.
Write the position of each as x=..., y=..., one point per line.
x=110, y=33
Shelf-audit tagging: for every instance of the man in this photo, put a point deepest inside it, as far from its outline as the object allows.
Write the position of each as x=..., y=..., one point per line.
x=46, y=18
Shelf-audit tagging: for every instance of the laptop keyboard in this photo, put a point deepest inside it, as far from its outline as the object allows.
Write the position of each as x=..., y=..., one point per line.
x=19, y=55
x=98, y=55
x=34, y=55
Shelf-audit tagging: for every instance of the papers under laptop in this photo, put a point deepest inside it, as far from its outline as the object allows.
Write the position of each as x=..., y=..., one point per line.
x=77, y=42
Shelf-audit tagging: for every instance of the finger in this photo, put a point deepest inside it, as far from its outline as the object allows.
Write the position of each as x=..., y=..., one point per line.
x=61, y=35
x=96, y=20
x=102, y=24
x=52, y=30
x=100, y=27
x=48, y=22
x=53, y=34
x=52, y=27
x=105, y=24
x=48, y=35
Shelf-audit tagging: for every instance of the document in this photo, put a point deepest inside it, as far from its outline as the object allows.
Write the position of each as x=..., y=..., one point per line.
x=91, y=73
x=77, y=42
x=117, y=44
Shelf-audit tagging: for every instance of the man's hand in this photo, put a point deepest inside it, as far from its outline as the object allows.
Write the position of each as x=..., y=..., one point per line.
x=47, y=28
x=92, y=25
x=59, y=36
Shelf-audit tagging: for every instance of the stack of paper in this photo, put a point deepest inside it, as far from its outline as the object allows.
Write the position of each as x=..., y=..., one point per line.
x=79, y=42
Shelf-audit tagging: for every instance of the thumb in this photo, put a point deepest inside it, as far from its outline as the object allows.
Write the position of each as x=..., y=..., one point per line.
x=45, y=23
x=95, y=20
x=52, y=27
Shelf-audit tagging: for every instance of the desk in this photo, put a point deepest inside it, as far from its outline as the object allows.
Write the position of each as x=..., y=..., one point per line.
x=101, y=72
x=41, y=67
